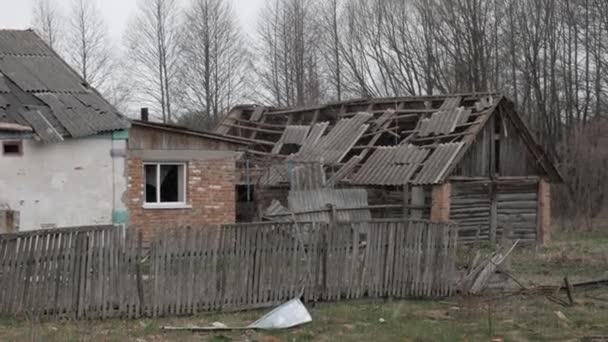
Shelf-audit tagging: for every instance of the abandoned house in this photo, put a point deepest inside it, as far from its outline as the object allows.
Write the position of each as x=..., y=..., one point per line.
x=467, y=158
x=69, y=158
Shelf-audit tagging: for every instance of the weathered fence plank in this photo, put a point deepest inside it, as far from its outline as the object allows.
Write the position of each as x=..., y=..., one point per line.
x=103, y=272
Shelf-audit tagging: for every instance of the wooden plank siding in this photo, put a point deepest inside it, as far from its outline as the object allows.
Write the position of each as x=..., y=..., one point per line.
x=484, y=209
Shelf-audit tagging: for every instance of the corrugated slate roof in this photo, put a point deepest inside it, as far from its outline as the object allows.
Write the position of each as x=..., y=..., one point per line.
x=372, y=141
x=434, y=168
x=444, y=122
x=22, y=42
x=3, y=86
x=340, y=139
x=391, y=165
x=42, y=91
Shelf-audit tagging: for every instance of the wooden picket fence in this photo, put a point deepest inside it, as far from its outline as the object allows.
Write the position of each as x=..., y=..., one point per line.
x=70, y=272
x=102, y=272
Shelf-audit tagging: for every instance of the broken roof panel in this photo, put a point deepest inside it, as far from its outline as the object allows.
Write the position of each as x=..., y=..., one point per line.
x=451, y=102
x=391, y=165
x=293, y=134
x=41, y=125
x=434, y=168
x=33, y=75
x=444, y=122
x=439, y=129
x=311, y=205
x=335, y=145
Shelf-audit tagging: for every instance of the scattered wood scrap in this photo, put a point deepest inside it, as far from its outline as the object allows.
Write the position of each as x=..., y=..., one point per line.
x=552, y=293
x=588, y=285
x=482, y=270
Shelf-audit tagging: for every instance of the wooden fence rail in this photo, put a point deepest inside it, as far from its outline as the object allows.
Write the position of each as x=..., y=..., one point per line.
x=102, y=272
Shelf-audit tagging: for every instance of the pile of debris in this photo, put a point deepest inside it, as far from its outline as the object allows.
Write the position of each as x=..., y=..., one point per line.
x=482, y=272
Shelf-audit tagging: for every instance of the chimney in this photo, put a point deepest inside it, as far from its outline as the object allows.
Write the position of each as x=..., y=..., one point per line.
x=144, y=114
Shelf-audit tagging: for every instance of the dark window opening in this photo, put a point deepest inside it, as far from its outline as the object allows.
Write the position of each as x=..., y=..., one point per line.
x=497, y=135
x=150, y=183
x=246, y=209
x=12, y=148
x=242, y=194
x=165, y=183
x=497, y=156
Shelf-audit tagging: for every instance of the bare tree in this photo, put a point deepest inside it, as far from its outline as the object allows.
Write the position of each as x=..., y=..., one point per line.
x=213, y=60
x=549, y=56
x=119, y=90
x=46, y=21
x=288, y=63
x=331, y=44
x=87, y=46
x=153, y=52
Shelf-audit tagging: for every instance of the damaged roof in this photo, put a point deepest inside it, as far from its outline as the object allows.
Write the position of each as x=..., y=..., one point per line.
x=378, y=141
x=39, y=90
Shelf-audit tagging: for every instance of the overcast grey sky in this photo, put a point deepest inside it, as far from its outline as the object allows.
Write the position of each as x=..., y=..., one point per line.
x=17, y=13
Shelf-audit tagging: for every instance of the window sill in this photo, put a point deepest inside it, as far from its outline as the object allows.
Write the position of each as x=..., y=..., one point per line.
x=166, y=206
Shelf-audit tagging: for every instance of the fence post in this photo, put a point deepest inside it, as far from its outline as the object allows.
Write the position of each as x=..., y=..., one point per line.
x=140, y=287
x=406, y=201
x=333, y=219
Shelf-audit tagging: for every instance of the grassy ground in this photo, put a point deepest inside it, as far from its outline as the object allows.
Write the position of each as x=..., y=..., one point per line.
x=580, y=256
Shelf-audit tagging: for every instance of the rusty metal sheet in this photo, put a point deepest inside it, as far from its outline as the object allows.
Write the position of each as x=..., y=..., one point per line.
x=438, y=162
x=391, y=165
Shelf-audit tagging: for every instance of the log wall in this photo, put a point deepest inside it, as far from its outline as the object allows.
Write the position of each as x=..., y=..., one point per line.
x=484, y=209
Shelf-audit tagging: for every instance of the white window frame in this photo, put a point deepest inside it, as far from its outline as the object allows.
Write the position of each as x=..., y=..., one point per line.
x=166, y=205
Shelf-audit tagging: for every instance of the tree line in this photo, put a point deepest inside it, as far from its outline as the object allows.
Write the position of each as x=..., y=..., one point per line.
x=190, y=63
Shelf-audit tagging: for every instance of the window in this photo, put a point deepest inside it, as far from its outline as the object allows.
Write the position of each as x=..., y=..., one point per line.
x=12, y=148
x=165, y=185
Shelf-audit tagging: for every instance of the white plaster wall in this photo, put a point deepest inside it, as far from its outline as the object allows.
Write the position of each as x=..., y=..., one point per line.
x=71, y=183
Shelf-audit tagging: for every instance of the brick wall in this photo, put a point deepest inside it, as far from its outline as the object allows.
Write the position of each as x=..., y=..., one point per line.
x=440, y=202
x=544, y=211
x=210, y=192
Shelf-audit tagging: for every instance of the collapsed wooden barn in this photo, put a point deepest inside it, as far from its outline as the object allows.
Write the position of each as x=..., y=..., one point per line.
x=467, y=158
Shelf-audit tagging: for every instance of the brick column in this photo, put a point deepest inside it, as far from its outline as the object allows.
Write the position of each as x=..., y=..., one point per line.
x=544, y=212
x=440, y=203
